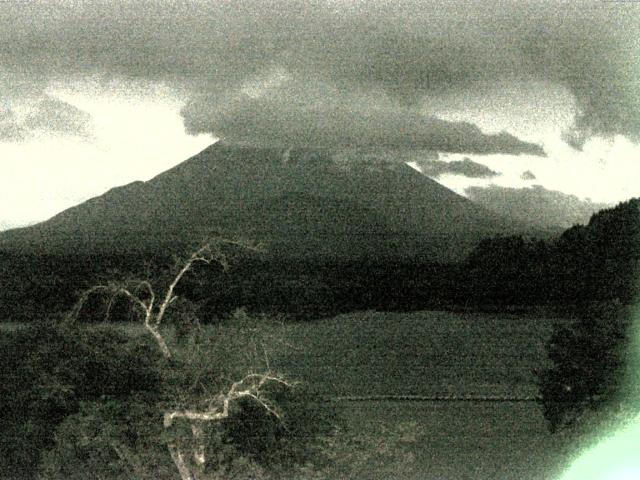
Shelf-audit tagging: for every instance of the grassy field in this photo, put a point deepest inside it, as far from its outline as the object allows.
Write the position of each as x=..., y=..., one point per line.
x=431, y=353
x=423, y=353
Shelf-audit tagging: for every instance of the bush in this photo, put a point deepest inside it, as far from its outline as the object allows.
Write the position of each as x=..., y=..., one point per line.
x=87, y=401
x=49, y=369
x=279, y=443
x=251, y=439
x=588, y=364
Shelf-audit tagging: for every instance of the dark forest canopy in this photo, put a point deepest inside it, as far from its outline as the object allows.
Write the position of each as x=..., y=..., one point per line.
x=597, y=261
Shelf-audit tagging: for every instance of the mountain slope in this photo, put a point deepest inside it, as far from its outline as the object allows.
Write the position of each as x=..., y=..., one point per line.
x=537, y=206
x=301, y=202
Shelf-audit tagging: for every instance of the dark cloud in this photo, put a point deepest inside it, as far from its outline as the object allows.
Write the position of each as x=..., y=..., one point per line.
x=527, y=175
x=406, y=49
x=281, y=111
x=465, y=167
x=536, y=205
x=46, y=114
x=596, y=57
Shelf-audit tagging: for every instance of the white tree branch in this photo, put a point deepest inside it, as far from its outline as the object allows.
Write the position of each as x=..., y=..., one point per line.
x=237, y=390
x=180, y=463
x=142, y=295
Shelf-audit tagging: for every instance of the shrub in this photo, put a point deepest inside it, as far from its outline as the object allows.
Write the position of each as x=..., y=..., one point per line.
x=49, y=369
x=109, y=439
x=280, y=444
x=87, y=401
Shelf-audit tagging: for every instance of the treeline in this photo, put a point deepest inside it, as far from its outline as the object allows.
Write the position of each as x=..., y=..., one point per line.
x=301, y=289
x=595, y=262
x=33, y=286
x=586, y=263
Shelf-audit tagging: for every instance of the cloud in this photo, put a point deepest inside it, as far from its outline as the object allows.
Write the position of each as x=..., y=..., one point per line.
x=465, y=167
x=597, y=59
x=55, y=116
x=45, y=114
x=10, y=129
x=406, y=49
x=281, y=110
x=536, y=205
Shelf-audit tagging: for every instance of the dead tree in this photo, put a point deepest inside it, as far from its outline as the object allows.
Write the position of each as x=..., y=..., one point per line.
x=153, y=308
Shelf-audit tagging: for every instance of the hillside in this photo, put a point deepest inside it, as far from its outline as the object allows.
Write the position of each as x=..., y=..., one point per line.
x=545, y=209
x=301, y=203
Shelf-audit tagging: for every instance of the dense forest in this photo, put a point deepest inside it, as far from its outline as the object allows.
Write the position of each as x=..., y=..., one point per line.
x=589, y=262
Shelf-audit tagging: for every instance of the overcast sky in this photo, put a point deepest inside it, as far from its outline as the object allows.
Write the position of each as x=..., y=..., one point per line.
x=94, y=95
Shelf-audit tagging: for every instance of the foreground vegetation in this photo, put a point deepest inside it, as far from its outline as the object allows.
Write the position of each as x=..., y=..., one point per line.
x=88, y=402
x=361, y=354
x=172, y=401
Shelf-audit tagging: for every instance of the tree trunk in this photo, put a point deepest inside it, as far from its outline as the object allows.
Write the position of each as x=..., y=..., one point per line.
x=199, y=449
x=181, y=464
x=164, y=348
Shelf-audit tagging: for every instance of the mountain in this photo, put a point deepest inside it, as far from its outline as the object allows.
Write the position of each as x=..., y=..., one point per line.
x=536, y=205
x=300, y=202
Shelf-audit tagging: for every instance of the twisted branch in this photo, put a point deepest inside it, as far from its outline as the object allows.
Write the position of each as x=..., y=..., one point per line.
x=247, y=387
x=237, y=390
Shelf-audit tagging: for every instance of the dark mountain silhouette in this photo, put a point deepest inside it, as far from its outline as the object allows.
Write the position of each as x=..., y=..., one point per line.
x=300, y=202
x=537, y=206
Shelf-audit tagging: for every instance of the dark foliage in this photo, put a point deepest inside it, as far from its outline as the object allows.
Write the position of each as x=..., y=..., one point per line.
x=49, y=369
x=588, y=274
x=596, y=262
x=588, y=364
x=307, y=289
x=508, y=271
x=83, y=401
x=283, y=443
x=586, y=263
x=302, y=289
x=33, y=284
x=111, y=439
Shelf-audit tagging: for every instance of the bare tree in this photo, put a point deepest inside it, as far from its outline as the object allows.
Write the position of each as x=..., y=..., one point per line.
x=153, y=308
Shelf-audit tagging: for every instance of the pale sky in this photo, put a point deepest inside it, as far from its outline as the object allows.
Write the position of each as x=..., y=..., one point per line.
x=95, y=95
x=131, y=138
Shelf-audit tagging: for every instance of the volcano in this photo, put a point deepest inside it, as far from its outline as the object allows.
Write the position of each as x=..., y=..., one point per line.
x=298, y=202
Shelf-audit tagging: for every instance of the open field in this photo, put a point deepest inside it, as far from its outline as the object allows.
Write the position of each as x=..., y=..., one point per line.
x=424, y=353
x=433, y=353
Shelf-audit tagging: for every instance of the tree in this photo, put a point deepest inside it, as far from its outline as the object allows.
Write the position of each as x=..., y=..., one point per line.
x=588, y=365
x=594, y=273
x=508, y=270
x=190, y=400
